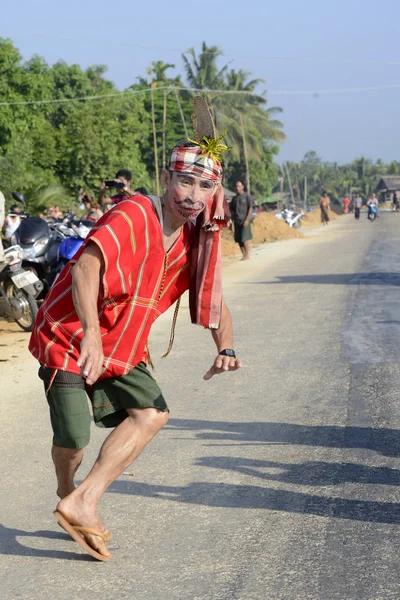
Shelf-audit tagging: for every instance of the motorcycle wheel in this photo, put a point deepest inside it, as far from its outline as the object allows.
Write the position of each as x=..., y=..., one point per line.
x=297, y=225
x=28, y=304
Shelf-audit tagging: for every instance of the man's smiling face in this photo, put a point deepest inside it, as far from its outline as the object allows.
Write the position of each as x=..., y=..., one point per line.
x=188, y=195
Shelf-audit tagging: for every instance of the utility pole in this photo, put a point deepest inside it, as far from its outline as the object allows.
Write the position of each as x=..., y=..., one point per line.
x=305, y=193
x=164, y=151
x=181, y=112
x=290, y=184
x=153, y=118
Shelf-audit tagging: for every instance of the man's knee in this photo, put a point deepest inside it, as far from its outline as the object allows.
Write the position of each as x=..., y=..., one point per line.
x=151, y=419
x=164, y=416
x=69, y=453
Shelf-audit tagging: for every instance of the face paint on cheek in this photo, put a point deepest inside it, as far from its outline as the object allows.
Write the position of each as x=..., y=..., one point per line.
x=189, y=213
x=186, y=210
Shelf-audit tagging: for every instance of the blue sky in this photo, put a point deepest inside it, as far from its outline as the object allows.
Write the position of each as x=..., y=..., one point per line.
x=306, y=45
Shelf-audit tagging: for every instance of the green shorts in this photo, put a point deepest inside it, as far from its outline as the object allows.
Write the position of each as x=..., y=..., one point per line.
x=241, y=233
x=110, y=399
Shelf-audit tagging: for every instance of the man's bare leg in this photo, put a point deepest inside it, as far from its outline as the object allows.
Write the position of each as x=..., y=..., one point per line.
x=246, y=255
x=66, y=461
x=119, y=450
x=241, y=248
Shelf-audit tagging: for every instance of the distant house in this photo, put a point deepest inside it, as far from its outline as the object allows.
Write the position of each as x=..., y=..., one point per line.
x=269, y=203
x=387, y=186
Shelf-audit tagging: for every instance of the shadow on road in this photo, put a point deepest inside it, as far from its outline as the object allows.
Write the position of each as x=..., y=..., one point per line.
x=384, y=441
x=11, y=546
x=224, y=495
x=336, y=278
x=308, y=473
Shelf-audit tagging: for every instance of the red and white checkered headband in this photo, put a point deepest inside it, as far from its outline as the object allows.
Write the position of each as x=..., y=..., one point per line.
x=192, y=160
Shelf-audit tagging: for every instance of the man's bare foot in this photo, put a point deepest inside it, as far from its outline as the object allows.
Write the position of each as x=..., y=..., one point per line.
x=245, y=258
x=103, y=529
x=77, y=513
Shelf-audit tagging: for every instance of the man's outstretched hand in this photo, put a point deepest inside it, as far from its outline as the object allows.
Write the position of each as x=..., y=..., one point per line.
x=222, y=364
x=91, y=357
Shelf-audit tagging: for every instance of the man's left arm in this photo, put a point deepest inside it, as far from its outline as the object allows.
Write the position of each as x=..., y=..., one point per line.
x=223, y=338
x=249, y=212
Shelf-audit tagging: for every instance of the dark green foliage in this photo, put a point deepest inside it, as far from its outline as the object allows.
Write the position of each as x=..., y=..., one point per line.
x=51, y=150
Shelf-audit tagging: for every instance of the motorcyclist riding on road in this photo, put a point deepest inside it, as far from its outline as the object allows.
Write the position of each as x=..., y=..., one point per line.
x=373, y=205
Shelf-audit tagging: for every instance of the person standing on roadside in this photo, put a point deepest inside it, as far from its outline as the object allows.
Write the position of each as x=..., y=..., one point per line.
x=241, y=207
x=325, y=206
x=395, y=202
x=357, y=205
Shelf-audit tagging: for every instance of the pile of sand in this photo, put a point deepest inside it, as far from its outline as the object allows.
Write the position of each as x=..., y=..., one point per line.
x=265, y=228
x=229, y=248
x=313, y=218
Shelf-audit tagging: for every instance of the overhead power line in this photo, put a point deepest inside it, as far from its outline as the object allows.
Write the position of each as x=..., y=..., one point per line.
x=204, y=91
x=310, y=59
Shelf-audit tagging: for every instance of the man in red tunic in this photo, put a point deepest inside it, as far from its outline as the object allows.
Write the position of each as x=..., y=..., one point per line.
x=92, y=330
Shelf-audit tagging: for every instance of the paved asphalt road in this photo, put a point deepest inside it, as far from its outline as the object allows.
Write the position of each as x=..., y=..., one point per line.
x=278, y=482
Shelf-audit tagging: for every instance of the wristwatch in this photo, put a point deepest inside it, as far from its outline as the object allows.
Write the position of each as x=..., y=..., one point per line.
x=228, y=352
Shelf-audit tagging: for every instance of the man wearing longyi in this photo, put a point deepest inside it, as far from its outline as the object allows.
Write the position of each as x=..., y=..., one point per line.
x=91, y=332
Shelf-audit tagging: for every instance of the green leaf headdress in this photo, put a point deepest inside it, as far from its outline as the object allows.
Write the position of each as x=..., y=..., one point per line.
x=204, y=131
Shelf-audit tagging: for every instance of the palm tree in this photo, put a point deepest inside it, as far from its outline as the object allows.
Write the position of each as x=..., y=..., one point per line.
x=202, y=72
x=367, y=174
x=249, y=107
x=157, y=73
x=158, y=78
x=244, y=114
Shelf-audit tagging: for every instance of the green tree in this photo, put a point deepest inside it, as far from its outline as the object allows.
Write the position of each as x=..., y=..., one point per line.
x=263, y=173
x=170, y=110
x=234, y=105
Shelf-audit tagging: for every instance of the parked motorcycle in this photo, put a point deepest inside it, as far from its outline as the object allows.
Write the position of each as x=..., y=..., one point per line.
x=18, y=289
x=76, y=232
x=39, y=244
x=41, y=240
x=292, y=218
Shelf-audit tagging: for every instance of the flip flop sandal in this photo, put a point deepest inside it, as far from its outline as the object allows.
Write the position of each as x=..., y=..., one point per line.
x=76, y=531
x=107, y=535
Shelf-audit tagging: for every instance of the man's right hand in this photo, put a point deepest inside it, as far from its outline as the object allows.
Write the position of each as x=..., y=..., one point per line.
x=91, y=357
x=128, y=192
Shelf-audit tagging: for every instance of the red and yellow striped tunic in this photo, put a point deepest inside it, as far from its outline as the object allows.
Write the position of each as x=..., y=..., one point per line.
x=140, y=282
